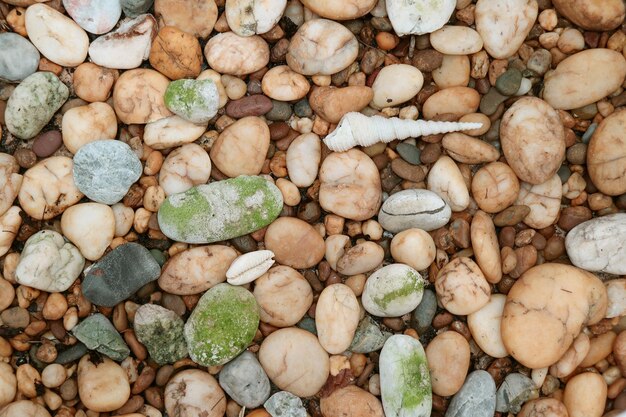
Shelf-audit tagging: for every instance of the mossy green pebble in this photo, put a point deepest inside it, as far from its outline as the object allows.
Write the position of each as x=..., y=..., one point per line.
x=196, y=101
x=220, y=210
x=404, y=378
x=222, y=325
x=161, y=331
x=392, y=291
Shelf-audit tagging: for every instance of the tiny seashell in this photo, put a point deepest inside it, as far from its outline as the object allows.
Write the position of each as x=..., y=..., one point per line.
x=249, y=267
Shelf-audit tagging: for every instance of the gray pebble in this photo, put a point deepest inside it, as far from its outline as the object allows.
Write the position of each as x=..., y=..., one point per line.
x=280, y=112
x=423, y=315
x=133, y=8
x=302, y=108
x=285, y=404
x=308, y=324
x=489, y=102
x=509, y=82
x=72, y=354
x=245, y=381
x=514, y=392
x=476, y=398
x=368, y=337
x=409, y=153
x=540, y=61
x=18, y=57
x=422, y=209
x=98, y=333
x=161, y=331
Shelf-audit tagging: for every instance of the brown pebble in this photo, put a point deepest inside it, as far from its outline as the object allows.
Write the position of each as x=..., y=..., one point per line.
x=133, y=404
x=461, y=328
x=144, y=380
x=442, y=320
x=407, y=171
x=431, y=153
x=555, y=247
x=526, y=258
x=154, y=396
x=278, y=130
x=460, y=233
x=394, y=323
x=505, y=284
x=47, y=143
x=573, y=216
x=507, y=237
x=427, y=60
x=15, y=318
x=137, y=348
x=499, y=369
x=25, y=157
x=511, y=216
x=255, y=105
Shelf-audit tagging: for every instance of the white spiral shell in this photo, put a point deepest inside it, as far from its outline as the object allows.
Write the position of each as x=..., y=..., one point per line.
x=356, y=129
x=249, y=266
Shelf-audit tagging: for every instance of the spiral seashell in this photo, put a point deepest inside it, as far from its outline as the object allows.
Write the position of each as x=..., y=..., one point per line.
x=249, y=267
x=356, y=129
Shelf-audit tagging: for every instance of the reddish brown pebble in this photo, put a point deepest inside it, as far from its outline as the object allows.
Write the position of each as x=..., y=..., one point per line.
x=47, y=143
x=255, y=105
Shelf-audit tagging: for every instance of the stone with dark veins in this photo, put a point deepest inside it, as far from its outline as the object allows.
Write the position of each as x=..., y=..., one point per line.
x=422, y=209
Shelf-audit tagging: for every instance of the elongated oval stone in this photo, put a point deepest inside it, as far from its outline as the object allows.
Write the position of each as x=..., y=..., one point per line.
x=222, y=325
x=221, y=210
x=421, y=209
x=18, y=57
x=404, y=378
x=33, y=103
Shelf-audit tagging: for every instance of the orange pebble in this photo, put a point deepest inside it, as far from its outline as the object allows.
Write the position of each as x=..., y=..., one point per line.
x=386, y=41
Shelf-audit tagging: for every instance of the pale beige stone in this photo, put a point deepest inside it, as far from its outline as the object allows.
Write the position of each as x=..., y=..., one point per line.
x=461, y=287
x=241, y=148
x=414, y=247
x=283, y=84
x=448, y=356
x=283, y=295
x=228, y=53
x=104, y=377
x=486, y=247
x=10, y=181
x=84, y=124
x=485, y=325
x=337, y=315
x=90, y=226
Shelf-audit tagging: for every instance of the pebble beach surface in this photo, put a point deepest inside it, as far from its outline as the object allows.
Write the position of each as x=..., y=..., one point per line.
x=312, y=208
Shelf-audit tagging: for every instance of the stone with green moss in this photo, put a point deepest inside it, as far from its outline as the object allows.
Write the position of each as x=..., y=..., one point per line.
x=220, y=210
x=404, y=378
x=392, y=291
x=161, y=331
x=222, y=325
x=196, y=101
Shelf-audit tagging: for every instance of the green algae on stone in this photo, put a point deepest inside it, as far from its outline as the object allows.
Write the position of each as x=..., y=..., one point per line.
x=196, y=101
x=404, y=378
x=392, y=291
x=220, y=210
x=98, y=333
x=33, y=103
x=162, y=332
x=222, y=325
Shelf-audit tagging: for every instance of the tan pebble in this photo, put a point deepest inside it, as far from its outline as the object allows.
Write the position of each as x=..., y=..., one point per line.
x=585, y=395
x=457, y=101
x=176, y=54
x=572, y=357
x=592, y=15
x=138, y=96
x=476, y=118
x=351, y=401
x=461, y=287
x=291, y=194
x=619, y=351
x=287, y=233
x=84, y=124
x=283, y=84
x=209, y=74
x=10, y=223
x=486, y=247
x=332, y=103
x=228, y=53
x=8, y=384
x=448, y=356
x=413, y=247
x=445, y=179
x=360, y=258
x=94, y=83
x=171, y=131
x=54, y=307
x=599, y=348
x=123, y=218
x=8, y=293
x=495, y=187
x=468, y=150
x=196, y=392
x=485, y=324
x=335, y=248
x=194, y=17
x=347, y=10
x=90, y=226
x=234, y=87
x=337, y=316
x=543, y=407
x=388, y=93
x=10, y=181
x=17, y=20
x=605, y=157
x=456, y=40
x=25, y=408
x=571, y=41
x=283, y=295
x=544, y=201
x=453, y=72
x=250, y=17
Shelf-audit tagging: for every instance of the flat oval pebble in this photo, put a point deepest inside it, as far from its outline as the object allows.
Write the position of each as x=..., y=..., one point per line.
x=606, y=159
x=183, y=168
x=104, y=170
x=333, y=103
x=196, y=18
x=533, y=139
x=495, y=187
x=445, y=179
x=18, y=57
x=283, y=295
x=421, y=209
x=228, y=53
x=90, y=226
x=469, y=150
x=94, y=16
x=221, y=210
x=347, y=10
x=462, y=287
x=161, y=331
x=170, y=132
x=504, y=25
x=592, y=15
x=283, y=84
x=196, y=101
x=99, y=334
x=544, y=201
x=138, y=96
x=486, y=246
x=222, y=325
x=388, y=93
x=195, y=393
x=245, y=381
x=336, y=317
x=351, y=401
x=303, y=159
x=94, y=378
x=84, y=124
x=392, y=291
x=362, y=257
x=56, y=36
x=448, y=356
x=456, y=40
x=595, y=245
x=253, y=17
x=457, y=101
x=485, y=324
x=597, y=73
x=477, y=397
x=413, y=247
x=418, y=18
x=404, y=378
x=126, y=47
x=119, y=274
x=33, y=103
x=321, y=47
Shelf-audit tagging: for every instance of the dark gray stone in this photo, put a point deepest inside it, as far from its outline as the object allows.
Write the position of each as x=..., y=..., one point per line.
x=303, y=109
x=280, y=112
x=245, y=381
x=133, y=8
x=514, y=392
x=119, y=274
x=98, y=333
x=409, y=153
x=489, y=102
x=72, y=354
x=422, y=316
x=509, y=82
x=368, y=337
x=18, y=57
x=476, y=398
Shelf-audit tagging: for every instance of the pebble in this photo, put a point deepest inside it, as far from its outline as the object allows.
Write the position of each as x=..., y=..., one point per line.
x=350, y=185
x=133, y=8
x=128, y=46
x=387, y=93
x=228, y=53
x=10, y=223
x=176, y=54
x=9, y=384
x=295, y=361
x=15, y=318
x=462, y=287
x=456, y=101
x=504, y=26
x=220, y=210
x=410, y=153
x=485, y=246
x=242, y=147
x=456, y=40
x=119, y=274
x=18, y=57
x=138, y=96
x=422, y=316
x=96, y=378
x=284, y=296
x=97, y=333
x=303, y=159
x=85, y=124
x=368, y=337
x=253, y=17
x=361, y=258
x=588, y=69
x=45, y=144
x=281, y=83
x=253, y=105
x=286, y=233
x=340, y=11
x=469, y=150
x=24, y=408
x=595, y=245
x=477, y=397
x=56, y=36
x=445, y=179
x=48, y=262
x=616, y=291
x=280, y=111
x=392, y=291
x=193, y=100
x=351, y=401
x=321, y=47
x=104, y=170
x=336, y=318
x=90, y=226
x=509, y=82
x=538, y=322
x=333, y=103
x=33, y=103
x=161, y=331
x=543, y=407
x=448, y=356
x=285, y=404
x=585, y=395
x=514, y=392
x=196, y=270
x=196, y=18
x=410, y=18
x=94, y=16
x=606, y=161
x=533, y=140
x=196, y=393
x=417, y=208
x=490, y=102
x=404, y=378
x=544, y=201
x=453, y=72
x=11, y=181
x=171, y=132
x=595, y=16
x=495, y=187
x=302, y=108
x=484, y=325
x=183, y=168
x=71, y=354
x=222, y=325
x=413, y=247
x=245, y=381
x=93, y=83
